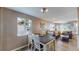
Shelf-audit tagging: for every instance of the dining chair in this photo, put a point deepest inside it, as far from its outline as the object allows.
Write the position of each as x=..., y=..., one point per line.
x=51, y=45
x=36, y=42
x=30, y=41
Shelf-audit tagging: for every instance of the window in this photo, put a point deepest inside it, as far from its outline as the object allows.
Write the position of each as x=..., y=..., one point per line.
x=51, y=27
x=23, y=26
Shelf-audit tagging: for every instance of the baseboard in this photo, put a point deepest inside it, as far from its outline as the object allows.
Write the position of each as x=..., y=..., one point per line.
x=16, y=49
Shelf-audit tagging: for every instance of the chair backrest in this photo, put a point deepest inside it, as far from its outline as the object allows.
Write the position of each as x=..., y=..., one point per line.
x=36, y=41
x=36, y=38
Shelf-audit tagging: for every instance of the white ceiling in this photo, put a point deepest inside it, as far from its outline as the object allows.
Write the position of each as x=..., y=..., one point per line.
x=56, y=14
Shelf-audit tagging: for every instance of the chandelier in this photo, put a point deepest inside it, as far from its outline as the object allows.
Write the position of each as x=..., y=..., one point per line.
x=44, y=10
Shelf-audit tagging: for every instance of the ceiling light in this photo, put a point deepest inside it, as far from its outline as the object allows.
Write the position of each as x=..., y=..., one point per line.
x=44, y=10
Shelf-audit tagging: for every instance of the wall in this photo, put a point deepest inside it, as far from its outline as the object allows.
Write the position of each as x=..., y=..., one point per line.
x=78, y=28
x=1, y=29
x=36, y=26
x=10, y=40
x=77, y=21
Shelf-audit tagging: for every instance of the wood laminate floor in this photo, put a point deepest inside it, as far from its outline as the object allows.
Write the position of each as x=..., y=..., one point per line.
x=63, y=46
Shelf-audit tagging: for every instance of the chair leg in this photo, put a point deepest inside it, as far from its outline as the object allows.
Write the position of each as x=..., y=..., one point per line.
x=30, y=47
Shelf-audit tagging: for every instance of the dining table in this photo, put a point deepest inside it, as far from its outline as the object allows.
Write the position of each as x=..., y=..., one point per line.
x=48, y=43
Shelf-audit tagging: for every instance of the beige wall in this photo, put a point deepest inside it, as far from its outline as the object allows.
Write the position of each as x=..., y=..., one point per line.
x=36, y=26
x=0, y=31
x=10, y=40
x=78, y=19
x=0, y=28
